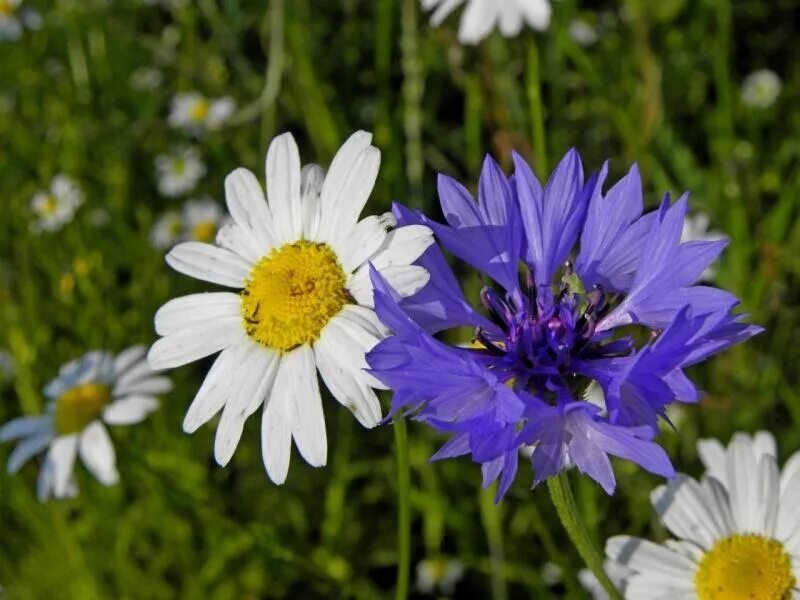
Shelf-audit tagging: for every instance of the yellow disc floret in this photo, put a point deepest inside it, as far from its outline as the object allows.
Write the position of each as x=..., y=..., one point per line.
x=6, y=8
x=199, y=111
x=79, y=406
x=745, y=567
x=204, y=232
x=291, y=295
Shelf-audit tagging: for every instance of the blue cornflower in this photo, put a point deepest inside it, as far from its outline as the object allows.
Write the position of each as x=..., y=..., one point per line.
x=585, y=287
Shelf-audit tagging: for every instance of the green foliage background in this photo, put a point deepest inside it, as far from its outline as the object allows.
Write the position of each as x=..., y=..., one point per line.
x=661, y=87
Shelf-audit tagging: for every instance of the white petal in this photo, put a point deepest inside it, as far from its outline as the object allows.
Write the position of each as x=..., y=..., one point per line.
x=27, y=449
x=402, y=247
x=442, y=11
x=62, y=458
x=133, y=375
x=257, y=371
x=343, y=198
x=366, y=239
x=365, y=318
x=187, y=311
x=209, y=263
x=743, y=473
x=128, y=357
x=215, y=389
x=477, y=21
x=660, y=563
x=689, y=511
x=151, y=386
x=350, y=342
x=276, y=435
x=536, y=12
x=248, y=207
x=764, y=443
x=129, y=410
x=232, y=237
x=406, y=281
x=351, y=392
x=311, y=179
x=712, y=455
x=510, y=20
x=97, y=453
x=283, y=188
x=297, y=380
x=25, y=426
x=193, y=344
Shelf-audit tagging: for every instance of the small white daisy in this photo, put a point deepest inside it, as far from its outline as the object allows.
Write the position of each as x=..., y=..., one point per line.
x=147, y=78
x=695, y=229
x=198, y=221
x=761, y=88
x=167, y=231
x=56, y=207
x=481, y=16
x=439, y=575
x=90, y=392
x=14, y=18
x=193, y=112
x=551, y=574
x=300, y=265
x=583, y=33
x=738, y=529
x=179, y=171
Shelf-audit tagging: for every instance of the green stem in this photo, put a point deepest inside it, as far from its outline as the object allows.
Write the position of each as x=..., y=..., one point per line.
x=403, y=508
x=413, y=89
x=564, y=501
x=490, y=514
x=537, y=116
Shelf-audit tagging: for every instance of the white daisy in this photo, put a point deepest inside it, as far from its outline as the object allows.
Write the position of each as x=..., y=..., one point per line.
x=14, y=18
x=147, y=79
x=199, y=220
x=300, y=265
x=481, y=16
x=761, y=88
x=440, y=574
x=167, y=230
x=193, y=112
x=738, y=529
x=179, y=171
x=695, y=229
x=583, y=33
x=90, y=392
x=56, y=207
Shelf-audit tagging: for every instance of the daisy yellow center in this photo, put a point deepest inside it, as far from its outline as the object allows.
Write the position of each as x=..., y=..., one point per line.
x=179, y=166
x=291, y=295
x=6, y=9
x=50, y=204
x=745, y=567
x=199, y=110
x=79, y=406
x=204, y=231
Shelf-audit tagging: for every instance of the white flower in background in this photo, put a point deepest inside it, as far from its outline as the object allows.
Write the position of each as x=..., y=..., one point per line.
x=90, y=392
x=194, y=112
x=8, y=367
x=202, y=220
x=167, y=230
x=481, y=16
x=761, y=88
x=147, y=78
x=179, y=171
x=299, y=263
x=583, y=33
x=551, y=574
x=13, y=18
x=57, y=206
x=199, y=221
x=439, y=575
x=738, y=529
x=695, y=229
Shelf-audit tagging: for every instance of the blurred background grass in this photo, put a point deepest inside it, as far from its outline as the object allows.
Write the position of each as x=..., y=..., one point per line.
x=660, y=85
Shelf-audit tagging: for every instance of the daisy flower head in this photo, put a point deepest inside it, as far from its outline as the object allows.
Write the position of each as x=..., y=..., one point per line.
x=194, y=113
x=298, y=261
x=199, y=220
x=761, y=88
x=14, y=18
x=179, y=171
x=439, y=575
x=56, y=207
x=167, y=231
x=96, y=390
x=574, y=272
x=737, y=530
x=480, y=17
